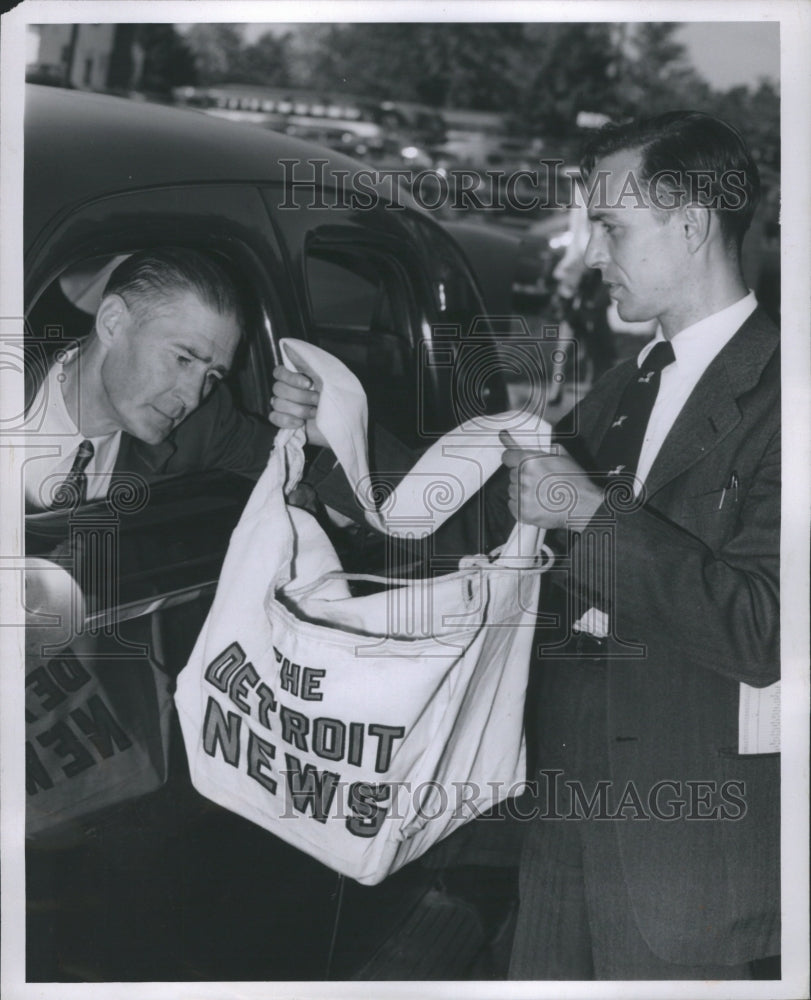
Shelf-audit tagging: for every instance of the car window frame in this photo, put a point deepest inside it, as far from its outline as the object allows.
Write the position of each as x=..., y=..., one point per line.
x=71, y=239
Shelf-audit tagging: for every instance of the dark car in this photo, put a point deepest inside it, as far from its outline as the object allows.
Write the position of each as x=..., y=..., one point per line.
x=169, y=886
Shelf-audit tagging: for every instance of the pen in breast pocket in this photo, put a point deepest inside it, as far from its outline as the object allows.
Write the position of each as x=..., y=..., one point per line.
x=731, y=487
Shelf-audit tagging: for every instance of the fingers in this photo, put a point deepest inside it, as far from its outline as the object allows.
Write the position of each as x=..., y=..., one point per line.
x=290, y=400
x=524, y=472
x=294, y=402
x=281, y=420
x=297, y=360
x=515, y=455
x=292, y=382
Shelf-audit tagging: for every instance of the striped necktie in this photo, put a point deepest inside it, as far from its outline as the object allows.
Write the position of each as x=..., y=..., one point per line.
x=72, y=491
x=619, y=450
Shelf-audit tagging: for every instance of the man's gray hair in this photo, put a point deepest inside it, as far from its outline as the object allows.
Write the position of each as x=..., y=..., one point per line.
x=150, y=275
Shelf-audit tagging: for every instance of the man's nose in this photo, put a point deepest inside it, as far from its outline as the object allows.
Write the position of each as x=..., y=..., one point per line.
x=595, y=254
x=189, y=391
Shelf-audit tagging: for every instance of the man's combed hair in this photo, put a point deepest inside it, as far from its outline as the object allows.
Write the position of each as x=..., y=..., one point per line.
x=148, y=276
x=694, y=155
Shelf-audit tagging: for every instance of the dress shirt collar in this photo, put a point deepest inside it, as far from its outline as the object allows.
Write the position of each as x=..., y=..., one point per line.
x=57, y=421
x=695, y=346
x=56, y=440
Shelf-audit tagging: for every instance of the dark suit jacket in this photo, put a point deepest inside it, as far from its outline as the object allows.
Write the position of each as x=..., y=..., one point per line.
x=697, y=583
x=215, y=436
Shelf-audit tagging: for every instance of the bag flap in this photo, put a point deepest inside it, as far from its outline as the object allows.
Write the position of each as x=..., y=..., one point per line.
x=451, y=471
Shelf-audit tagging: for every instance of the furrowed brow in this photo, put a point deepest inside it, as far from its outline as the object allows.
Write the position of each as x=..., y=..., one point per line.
x=206, y=360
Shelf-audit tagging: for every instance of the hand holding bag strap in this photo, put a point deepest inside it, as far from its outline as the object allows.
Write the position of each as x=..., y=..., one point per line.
x=451, y=470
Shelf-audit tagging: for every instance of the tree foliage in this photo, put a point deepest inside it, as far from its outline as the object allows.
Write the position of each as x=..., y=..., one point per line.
x=265, y=62
x=541, y=75
x=168, y=60
x=654, y=75
x=218, y=50
x=567, y=68
x=459, y=65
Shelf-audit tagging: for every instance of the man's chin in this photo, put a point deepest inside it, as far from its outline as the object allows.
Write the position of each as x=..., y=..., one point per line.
x=150, y=434
x=630, y=314
x=154, y=426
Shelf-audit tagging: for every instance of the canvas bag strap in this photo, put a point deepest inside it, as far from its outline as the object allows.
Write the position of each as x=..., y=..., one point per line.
x=451, y=471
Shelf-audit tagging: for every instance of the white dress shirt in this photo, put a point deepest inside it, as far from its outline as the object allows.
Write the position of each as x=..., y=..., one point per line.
x=695, y=348
x=55, y=440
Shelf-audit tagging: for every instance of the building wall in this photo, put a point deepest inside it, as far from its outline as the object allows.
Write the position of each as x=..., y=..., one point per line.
x=86, y=47
x=54, y=44
x=92, y=56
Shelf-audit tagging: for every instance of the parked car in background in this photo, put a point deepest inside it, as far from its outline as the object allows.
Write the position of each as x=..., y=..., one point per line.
x=396, y=132
x=169, y=886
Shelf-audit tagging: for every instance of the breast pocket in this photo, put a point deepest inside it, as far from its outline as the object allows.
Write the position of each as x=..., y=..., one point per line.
x=712, y=515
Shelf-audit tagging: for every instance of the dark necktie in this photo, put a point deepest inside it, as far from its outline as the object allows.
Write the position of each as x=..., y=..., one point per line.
x=620, y=448
x=72, y=491
x=618, y=455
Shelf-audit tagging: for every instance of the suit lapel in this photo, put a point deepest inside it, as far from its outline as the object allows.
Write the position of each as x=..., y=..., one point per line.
x=712, y=409
x=704, y=422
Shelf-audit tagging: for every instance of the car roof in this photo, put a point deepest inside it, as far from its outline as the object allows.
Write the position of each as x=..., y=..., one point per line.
x=80, y=146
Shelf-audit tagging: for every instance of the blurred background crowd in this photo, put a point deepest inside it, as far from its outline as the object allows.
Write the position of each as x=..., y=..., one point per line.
x=462, y=100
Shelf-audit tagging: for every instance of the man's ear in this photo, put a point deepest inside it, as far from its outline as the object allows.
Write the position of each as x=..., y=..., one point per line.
x=696, y=221
x=112, y=316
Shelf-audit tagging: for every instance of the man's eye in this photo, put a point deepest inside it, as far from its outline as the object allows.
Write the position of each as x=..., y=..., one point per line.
x=182, y=359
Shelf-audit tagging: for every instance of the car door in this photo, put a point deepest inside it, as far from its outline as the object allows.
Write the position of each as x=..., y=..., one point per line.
x=170, y=863
x=154, y=585
x=170, y=546
x=360, y=285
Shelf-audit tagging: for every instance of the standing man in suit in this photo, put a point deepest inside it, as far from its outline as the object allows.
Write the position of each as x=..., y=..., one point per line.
x=653, y=851
x=143, y=394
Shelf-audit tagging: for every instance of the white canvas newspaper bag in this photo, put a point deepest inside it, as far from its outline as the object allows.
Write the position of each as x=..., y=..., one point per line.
x=364, y=729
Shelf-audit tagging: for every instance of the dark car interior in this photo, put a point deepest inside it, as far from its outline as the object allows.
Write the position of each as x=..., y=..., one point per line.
x=160, y=550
